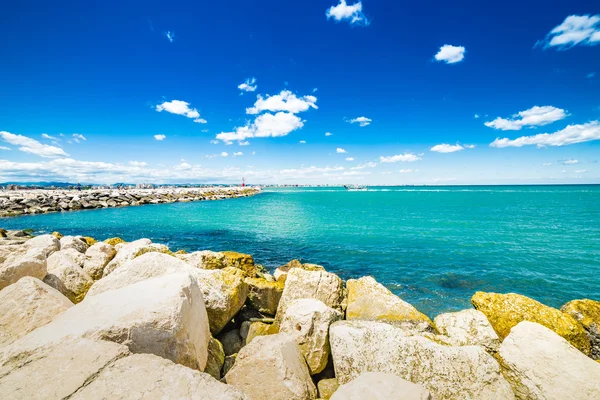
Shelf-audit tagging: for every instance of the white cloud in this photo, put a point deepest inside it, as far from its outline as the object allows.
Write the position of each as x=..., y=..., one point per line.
x=369, y=164
x=224, y=154
x=244, y=143
x=238, y=153
x=5, y=148
x=450, y=54
x=138, y=164
x=476, y=116
x=580, y=171
x=575, y=29
x=32, y=146
x=181, y=107
x=569, y=135
x=160, y=137
x=406, y=171
x=284, y=101
x=46, y=136
x=214, y=141
x=77, y=137
x=570, y=161
x=406, y=157
x=349, y=158
x=302, y=142
x=351, y=13
x=470, y=146
x=249, y=85
x=265, y=125
x=361, y=121
x=340, y=150
x=446, y=148
x=546, y=164
x=328, y=134
x=170, y=36
x=535, y=116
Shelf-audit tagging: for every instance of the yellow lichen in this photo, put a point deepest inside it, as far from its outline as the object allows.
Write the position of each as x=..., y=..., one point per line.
x=114, y=241
x=586, y=311
x=180, y=252
x=154, y=249
x=57, y=235
x=89, y=240
x=504, y=311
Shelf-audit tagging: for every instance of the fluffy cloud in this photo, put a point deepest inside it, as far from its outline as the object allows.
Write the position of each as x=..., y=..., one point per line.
x=450, y=54
x=32, y=146
x=476, y=116
x=46, y=136
x=170, y=36
x=181, y=107
x=470, y=146
x=365, y=165
x=446, y=148
x=78, y=137
x=265, y=125
x=361, y=121
x=328, y=134
x=406, y=171
x=569, y=135
x=575, y=30
x=160, y=138
x=406, y=157
x=306, y=172
x=352, y=13
x=5, y=148
x=139, y=164
x=238, y=153
x=340, y=150
x=249, y=85
x=349, y=158
x=224, y=154
x=570, y=161
x=535, y=116
x=284, y=101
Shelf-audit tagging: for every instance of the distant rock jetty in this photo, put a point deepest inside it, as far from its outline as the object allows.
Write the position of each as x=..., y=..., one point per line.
x=39, y=201
x=87, y=319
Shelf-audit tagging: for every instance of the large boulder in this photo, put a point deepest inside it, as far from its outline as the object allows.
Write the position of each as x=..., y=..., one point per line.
x=96, y=259
x=48, y=243
x=125, y=252
x=264, y=295
x=448, y=372
x=150, y=377
x=164, y=316
x=55, y=371
x=371, y=301
x=319, y=285
x=280, y=273
x=77, y=257
x=19, y=261
x=73, y=242
x=505, y=311
x=308, y=320
x=272, y=367
x=204, y=259
x=380, y=386
x=587, y=312
x=245, y=262
x=467, y=327
x=224, y=292
x=26, y=305
x=64, y=257
x=68, y=278
x=542, y=365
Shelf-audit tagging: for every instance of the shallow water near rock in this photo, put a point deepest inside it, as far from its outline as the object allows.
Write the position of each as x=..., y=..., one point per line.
x=433, y=246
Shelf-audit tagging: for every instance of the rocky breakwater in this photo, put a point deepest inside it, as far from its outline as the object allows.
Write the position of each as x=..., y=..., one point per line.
x=21, y=202
x=87, y=319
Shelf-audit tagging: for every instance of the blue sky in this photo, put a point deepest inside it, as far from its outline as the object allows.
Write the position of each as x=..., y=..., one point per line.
x=215, y=91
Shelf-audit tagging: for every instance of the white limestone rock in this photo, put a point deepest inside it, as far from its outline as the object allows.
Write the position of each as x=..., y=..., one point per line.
x=96, y=259
x=320, y=285
x=69, y=279
x=125, y=252
x=468, y=327
x=150, y=377
x=380, y=386
x=164, y=316
x=272, y=367
x=26, y=305
x=48, y=243
x=204, y=259
x=447, y=372
x=308, y=320
x=542, y=365
x=19, y=261
x=55, y=371
x=62, y=257
x=73, y=242
x=76, y=256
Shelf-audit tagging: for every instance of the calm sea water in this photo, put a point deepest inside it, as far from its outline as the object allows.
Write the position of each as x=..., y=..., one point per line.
x=433, y=246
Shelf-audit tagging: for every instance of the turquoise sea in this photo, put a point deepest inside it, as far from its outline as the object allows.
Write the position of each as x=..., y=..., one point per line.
x=433, y=246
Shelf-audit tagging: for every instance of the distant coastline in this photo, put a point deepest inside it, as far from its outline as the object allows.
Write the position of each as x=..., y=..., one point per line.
x=40, y=201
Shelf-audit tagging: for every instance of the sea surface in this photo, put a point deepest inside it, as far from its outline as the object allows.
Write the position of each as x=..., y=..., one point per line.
x=433, y=246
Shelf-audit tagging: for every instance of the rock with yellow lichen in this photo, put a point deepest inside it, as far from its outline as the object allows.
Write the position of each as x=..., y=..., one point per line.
x=57, y=235
x=89, y=240
x=260, y=329
x=114, y=241
x=504, y=311
x=264, y=295
x=369, y=300
x=587, y=312
x=245, y=262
